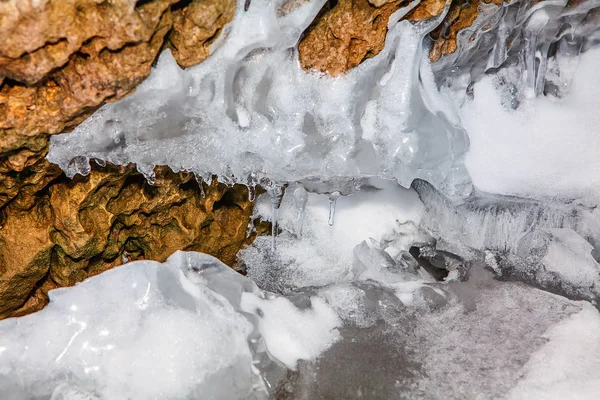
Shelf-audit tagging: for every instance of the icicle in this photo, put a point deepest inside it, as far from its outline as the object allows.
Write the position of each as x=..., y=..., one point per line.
x=332, y=202
x=200, y=181
x=101, y=163
x=148, y=172
x=276, y=194
x=300, y=198
x=251, y=182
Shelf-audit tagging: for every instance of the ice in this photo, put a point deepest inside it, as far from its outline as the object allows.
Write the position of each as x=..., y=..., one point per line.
x=544, y=148
x=568, y=365
x=249, y=114
x=474, y=345
x=324, y=254
x=535, y=45
x=186, y=328
x=548, y=244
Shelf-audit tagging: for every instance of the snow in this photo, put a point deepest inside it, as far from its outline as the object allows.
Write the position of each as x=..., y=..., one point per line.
x=568, y=366
x=546, y=147
x=292, y=334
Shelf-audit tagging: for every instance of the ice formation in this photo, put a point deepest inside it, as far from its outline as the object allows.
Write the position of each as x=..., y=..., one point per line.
x=192, y=328
x=535, y=46
x=188, y=328
x=358, y=268
x=251, y=115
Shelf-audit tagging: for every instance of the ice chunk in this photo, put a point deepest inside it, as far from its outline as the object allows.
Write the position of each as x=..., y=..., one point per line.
x=188, y=328
x=563, y=253
x=151, y=337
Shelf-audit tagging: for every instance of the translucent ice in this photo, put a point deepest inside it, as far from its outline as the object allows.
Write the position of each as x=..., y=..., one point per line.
x=251, y=115
x=550, y=244
x=534, y=44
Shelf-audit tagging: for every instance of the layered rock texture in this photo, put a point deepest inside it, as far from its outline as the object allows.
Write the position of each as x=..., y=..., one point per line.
x=61, y=60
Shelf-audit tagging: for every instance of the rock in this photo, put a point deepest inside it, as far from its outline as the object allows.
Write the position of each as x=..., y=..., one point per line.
x=344, y=35
x=348, y=32
x=196, y=27
x=54, y=231
x=81, y=227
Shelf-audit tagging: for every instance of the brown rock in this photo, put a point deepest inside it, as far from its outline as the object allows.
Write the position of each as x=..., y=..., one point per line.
x=40, y=35
x=345, y=35
x=196, y=27
x=81, y=227
x=59, y=62
x=351, y=31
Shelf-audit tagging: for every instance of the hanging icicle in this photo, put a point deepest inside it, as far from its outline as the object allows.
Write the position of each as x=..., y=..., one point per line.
x=333, y=197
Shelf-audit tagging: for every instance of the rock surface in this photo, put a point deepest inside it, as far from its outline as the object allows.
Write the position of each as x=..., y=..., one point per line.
x=81, y=227
x=56, y=232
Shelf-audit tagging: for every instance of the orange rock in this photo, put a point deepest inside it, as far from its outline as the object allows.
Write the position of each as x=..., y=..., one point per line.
x=81, y=227
x=196, y=27
x=59, y=62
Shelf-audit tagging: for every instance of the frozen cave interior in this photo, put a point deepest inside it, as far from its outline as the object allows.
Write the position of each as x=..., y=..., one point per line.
x=435, y=231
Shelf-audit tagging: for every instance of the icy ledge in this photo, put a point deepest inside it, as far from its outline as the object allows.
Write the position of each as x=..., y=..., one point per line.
x=250, y=114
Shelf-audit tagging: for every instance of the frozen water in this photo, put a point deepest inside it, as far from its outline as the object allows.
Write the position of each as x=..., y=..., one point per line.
x=551, y=245
x=544, y=148
x=250, y=114
x=373, y=291
x=187, y=328
x=322, y=254
x=535, y=45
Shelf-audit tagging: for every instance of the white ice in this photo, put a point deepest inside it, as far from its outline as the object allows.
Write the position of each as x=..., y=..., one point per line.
x=157, y=331
x=547, y=147
x=250, y=114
